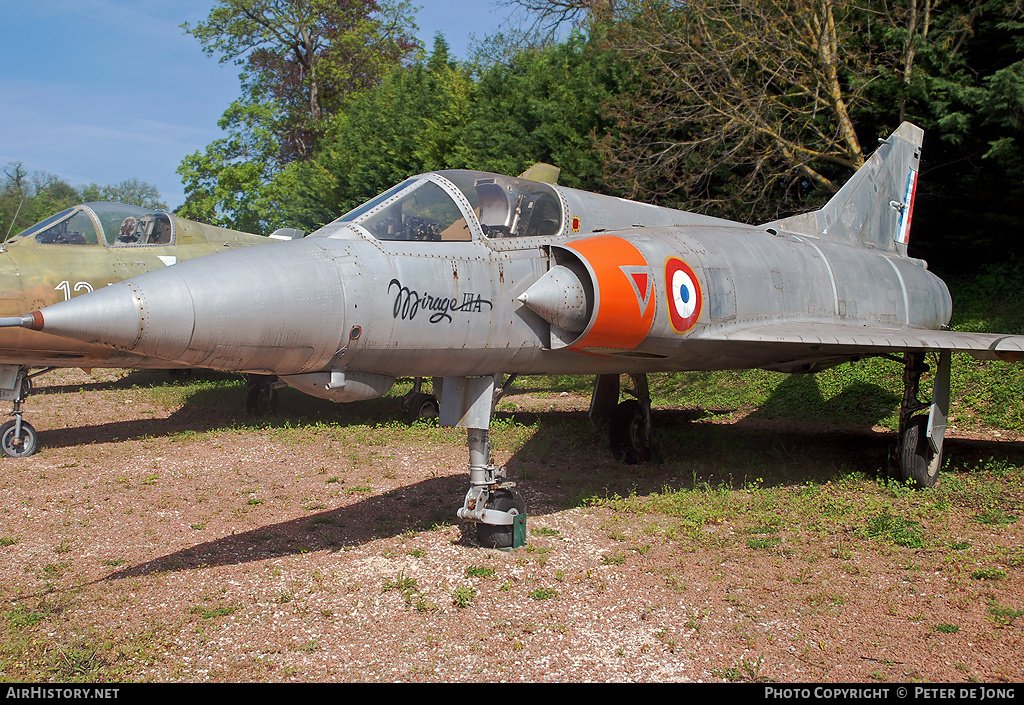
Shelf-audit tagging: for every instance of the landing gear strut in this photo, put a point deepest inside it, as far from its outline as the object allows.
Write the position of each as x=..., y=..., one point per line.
x=919, y=448
x=629, y=421
x=17, y=437
x=261, y=396
x=492, y=503
x=418, y=405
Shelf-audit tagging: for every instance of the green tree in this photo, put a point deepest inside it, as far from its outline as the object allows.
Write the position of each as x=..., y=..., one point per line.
x=410, y=123
x=965, y=87
x=302, y=62
x=13, y=193
x=306, y=57
x=134, y=192
x=226, y=184
x=546, y=105
x=26, y=199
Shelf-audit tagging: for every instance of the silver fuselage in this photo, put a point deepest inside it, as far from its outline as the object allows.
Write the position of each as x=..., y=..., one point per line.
x=344, y=300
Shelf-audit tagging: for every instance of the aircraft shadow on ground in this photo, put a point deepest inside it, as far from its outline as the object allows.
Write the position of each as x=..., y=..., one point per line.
x=212, y=408
x=412, y=508
x=566, y=461
x=134, y=379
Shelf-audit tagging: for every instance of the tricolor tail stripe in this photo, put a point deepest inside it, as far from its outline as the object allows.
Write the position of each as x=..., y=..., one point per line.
x=903, y=233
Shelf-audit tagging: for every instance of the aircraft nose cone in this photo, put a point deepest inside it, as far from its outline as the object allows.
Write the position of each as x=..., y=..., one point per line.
x=122, y=316
x=275, y=308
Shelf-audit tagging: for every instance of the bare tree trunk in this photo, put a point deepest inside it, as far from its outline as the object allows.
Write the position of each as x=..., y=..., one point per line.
x=825, y=28
x=740, y=101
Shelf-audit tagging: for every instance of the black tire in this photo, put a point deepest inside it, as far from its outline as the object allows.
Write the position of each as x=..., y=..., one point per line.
x=494, y=536
x=15, y=447
x=628, y=433
x=420, y=406
x=919, y=465
x=261, y=400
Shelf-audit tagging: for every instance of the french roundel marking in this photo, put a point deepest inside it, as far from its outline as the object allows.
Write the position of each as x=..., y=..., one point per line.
x=685, y=299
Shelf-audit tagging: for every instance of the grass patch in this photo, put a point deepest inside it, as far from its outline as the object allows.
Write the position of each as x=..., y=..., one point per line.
x=760, y=543
x=21, y=617
x=208, y=612
x=544, y=531
x=614, y=558
x=995, y=517
x=463, y=596
x=406, y=586
x=1004, y=616
x=41, y=644
x=889, y=527
x=988, y=574
x=543, y=594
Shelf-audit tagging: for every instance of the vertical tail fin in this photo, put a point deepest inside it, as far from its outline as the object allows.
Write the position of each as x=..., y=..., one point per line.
x=875, y=206
x=540, y=171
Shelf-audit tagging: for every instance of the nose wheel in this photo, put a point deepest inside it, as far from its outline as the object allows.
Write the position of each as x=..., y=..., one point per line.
x=18, y=439
x=498, y=510
x=492, y=503
x=501, y=535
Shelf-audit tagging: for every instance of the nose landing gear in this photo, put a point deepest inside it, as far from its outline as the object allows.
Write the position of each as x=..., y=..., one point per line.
x=493, y=504
x=18, y=438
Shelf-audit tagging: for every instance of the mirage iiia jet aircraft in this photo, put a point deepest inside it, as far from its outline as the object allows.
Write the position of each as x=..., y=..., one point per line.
x=78, y=250
x=465, y=276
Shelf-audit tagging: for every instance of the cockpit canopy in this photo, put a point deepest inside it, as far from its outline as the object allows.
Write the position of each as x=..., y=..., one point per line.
x=111, y=224
x=426, y=208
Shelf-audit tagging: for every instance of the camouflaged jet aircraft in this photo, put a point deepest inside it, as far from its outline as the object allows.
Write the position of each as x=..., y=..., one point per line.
x=466, y=276
x=78, y=250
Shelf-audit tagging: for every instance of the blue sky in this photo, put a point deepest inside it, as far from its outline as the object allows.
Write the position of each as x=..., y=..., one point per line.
x=99, y=91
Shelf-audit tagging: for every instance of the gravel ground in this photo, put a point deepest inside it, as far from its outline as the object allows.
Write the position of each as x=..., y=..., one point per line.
x=160, y=544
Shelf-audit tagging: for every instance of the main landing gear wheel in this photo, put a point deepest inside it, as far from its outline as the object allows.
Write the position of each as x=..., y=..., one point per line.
x=14, y=445
x=420, y=406
x=629, y=433
x=261, y=400
x=919, y=464
x=494, y=536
